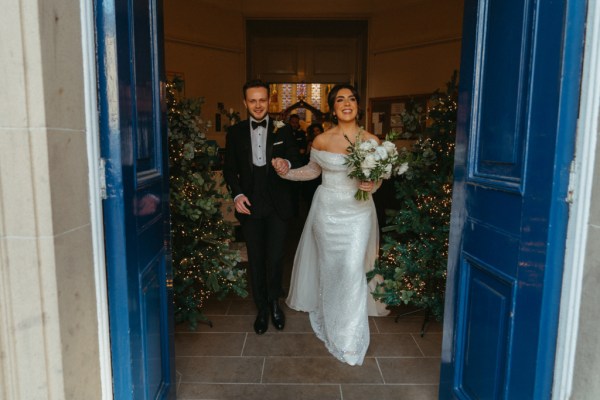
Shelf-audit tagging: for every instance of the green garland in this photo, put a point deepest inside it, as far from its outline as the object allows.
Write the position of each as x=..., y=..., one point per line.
x=203, y=263
x=414, y=248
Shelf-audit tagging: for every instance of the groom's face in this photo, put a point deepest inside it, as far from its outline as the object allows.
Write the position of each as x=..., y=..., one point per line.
x=257, y=102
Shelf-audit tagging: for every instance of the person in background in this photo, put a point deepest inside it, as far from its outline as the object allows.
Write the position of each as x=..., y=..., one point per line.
x=262, y=199
x=300, y=136
x=309, y=187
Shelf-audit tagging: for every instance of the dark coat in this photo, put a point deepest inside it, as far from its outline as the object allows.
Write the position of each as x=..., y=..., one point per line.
x=238, y=168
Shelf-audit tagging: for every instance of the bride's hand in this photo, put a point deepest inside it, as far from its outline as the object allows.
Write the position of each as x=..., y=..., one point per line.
x=366, y=186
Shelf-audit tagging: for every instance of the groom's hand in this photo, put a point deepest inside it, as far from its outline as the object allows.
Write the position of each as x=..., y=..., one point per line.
x=281, y=166
x=242, y=204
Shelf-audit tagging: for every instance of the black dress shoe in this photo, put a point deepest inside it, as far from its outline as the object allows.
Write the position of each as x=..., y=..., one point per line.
x=277, y=315
x=261, y=323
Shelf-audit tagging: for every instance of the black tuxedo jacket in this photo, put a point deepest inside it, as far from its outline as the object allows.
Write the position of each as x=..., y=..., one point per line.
x=238, y=168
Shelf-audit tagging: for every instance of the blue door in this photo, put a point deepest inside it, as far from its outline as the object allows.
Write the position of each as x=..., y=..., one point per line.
x=136, y=208
x=518, y=105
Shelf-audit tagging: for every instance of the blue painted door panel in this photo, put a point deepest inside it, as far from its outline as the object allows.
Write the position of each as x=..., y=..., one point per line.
x=136, y=212
x=516, y=129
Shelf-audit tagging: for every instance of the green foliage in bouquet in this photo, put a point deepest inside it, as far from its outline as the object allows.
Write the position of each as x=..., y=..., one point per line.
x=414, y=248
x=203, y=263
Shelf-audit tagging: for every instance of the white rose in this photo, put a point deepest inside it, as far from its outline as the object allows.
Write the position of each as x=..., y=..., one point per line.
x=369, y=162
x=402, y=168
x=387, y=171
x=390, y=148
x=366, y=146
x=279, y=124
x=366, y=172
x=382, y=152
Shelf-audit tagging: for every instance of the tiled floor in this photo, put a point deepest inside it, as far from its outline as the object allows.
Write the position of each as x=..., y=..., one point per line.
x=229, y=361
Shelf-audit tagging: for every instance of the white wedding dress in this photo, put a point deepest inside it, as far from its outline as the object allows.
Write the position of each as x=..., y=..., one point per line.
x=338, y=246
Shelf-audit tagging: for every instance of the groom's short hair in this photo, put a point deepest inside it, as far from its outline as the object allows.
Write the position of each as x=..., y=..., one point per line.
x=256, y=83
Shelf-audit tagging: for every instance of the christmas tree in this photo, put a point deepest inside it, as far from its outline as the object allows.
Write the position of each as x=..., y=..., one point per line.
x=203, y=263
x=414, y=248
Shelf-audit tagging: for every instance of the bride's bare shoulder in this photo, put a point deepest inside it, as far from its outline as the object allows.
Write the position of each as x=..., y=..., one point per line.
x=321, y=140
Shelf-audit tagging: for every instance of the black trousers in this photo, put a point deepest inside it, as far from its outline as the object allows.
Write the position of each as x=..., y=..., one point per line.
x=265, y=242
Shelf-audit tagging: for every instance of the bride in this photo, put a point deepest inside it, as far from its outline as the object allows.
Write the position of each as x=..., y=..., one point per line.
x=339, y=242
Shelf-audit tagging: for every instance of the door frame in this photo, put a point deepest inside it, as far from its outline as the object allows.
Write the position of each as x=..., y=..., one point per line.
x=96, y=181
x=580, y=185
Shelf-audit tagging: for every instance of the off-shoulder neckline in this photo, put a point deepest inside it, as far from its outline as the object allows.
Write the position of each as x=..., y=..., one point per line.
x=329, y=152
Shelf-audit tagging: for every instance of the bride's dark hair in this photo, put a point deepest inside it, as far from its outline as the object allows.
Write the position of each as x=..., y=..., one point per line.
x=333, y=94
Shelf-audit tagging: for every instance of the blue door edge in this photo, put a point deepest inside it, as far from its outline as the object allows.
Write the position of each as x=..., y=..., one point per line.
x=457, y=216
x=169, y=346
x=110, y=77
x=113, y=210
x=570, y=78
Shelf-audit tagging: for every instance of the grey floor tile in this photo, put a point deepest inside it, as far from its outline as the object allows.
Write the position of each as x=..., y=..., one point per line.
x=216, y=307
x=209, y=344
x=228, y=323
x=393, y=345
x=410, y=370
x=286, y=345
x=297, y=323
x=319, y=370
x=220, y=369
x=390, y=392
x=405, y=325
x=194, y=391
x=430, y=343
x=242, y=307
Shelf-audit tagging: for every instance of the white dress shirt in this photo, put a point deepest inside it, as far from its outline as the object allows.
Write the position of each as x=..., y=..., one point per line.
x=258, y=138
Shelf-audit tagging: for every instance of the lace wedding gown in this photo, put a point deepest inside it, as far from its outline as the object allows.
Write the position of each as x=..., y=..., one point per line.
x=338, y=246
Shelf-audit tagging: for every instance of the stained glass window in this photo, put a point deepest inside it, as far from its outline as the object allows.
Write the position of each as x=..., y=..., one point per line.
x=315, y=95
x=301, y=91
x=286, y=95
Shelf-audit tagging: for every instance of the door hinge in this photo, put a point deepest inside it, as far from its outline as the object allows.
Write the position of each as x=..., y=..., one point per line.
x=571, y=188
x=102, y=178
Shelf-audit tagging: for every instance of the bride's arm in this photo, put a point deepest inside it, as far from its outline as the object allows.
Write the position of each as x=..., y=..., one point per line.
x=306, y=173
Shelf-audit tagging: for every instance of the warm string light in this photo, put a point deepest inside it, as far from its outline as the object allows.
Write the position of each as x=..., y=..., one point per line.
x=203, y=264
x=414, y=255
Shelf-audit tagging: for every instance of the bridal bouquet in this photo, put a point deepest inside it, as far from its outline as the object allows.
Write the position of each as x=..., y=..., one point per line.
x=370, y=161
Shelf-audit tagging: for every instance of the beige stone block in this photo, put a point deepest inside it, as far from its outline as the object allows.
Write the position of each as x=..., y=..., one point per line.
x=29, y=294
x=38, y=153
x=17, y=203
x=78, y=316
x=32, y=62
x=12, y=72
x=68, y=172
x=587, y=355
x=61, y=51
x=595, y=201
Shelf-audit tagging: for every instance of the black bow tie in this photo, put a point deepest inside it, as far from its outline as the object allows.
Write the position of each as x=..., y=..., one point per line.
x=262, y=123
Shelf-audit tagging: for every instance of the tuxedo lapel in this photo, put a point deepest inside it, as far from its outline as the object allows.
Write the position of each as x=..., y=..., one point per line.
x=270, y=141
x=246, y=142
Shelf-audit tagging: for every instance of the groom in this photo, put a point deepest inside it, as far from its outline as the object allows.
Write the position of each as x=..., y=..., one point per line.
x=262, y=199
